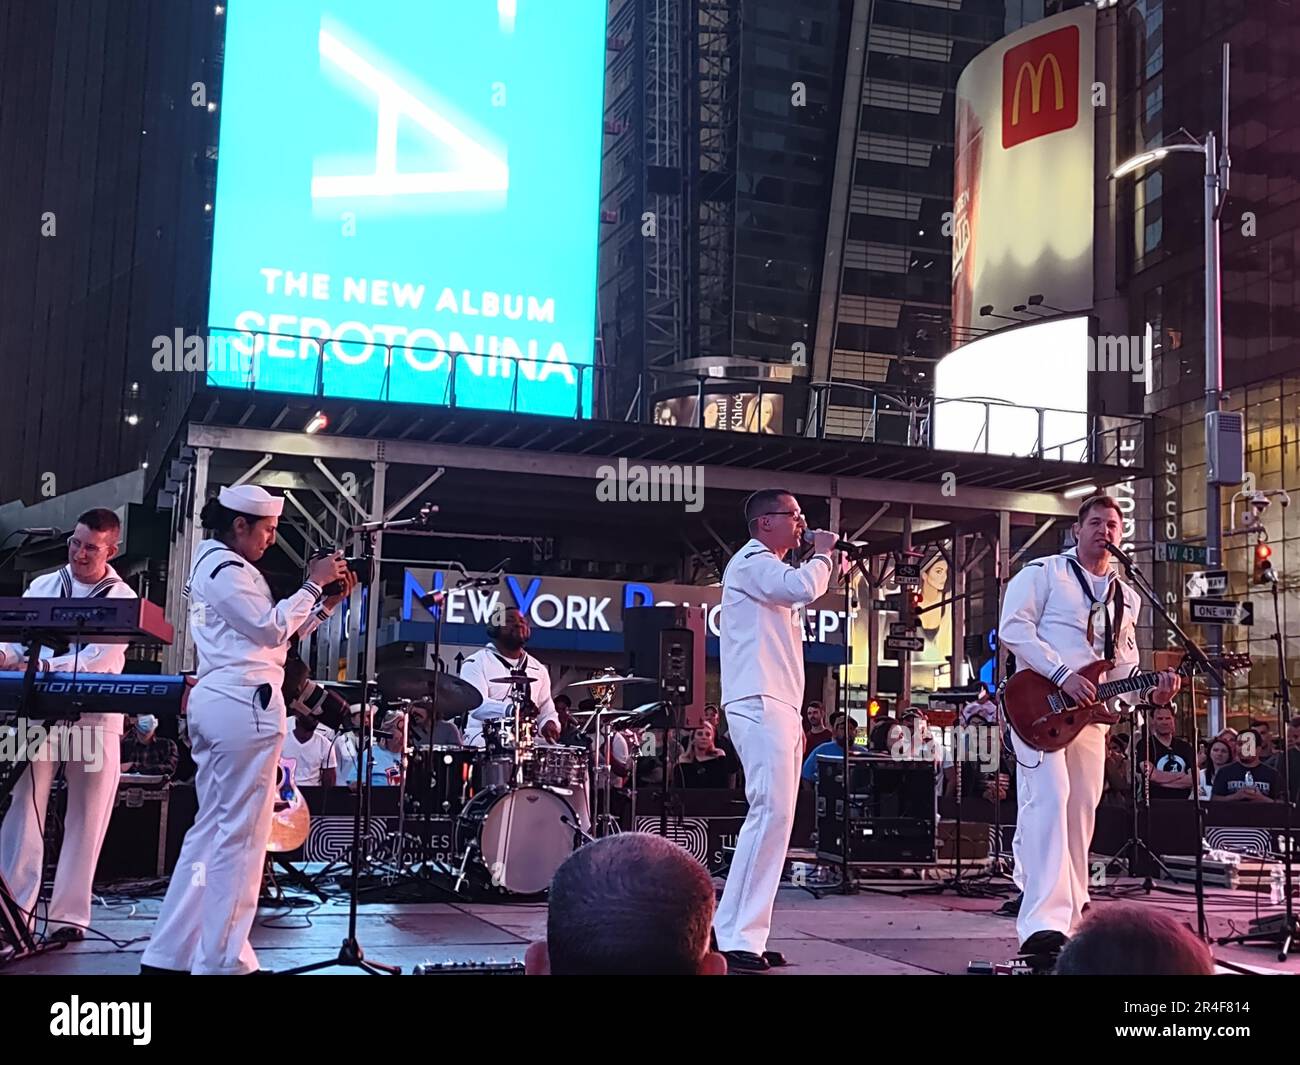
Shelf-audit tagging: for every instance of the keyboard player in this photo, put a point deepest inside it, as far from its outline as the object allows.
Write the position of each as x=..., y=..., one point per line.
x=92, y=777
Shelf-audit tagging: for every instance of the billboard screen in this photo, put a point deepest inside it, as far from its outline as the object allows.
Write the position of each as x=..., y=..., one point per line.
x=987, y=392
x=403, y=181
x=1022, y=196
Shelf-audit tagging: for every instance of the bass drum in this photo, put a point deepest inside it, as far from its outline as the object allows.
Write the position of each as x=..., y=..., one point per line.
x=519, y=836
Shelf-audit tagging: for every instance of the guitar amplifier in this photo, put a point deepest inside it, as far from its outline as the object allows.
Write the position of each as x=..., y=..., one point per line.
x=891, y=810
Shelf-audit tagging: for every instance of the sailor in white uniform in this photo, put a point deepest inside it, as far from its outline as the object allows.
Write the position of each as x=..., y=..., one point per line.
x=237, y=725
x=762, y=630
x=95, y=742
x=1059, y=614
x=500, y=658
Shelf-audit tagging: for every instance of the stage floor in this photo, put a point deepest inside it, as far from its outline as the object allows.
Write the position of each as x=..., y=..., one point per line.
x=877, y=931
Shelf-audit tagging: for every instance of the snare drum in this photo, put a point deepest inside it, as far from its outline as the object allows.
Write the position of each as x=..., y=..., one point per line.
x=518, y=837
x=556, y=767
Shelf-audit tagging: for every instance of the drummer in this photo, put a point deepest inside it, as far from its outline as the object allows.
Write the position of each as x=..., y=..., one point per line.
x=505, y=655
x=487, y=669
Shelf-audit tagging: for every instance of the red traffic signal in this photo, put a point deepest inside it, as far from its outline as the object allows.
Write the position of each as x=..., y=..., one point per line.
x=1263, y=571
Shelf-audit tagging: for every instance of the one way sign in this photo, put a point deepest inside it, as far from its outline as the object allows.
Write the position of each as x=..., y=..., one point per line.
x=1221, y=612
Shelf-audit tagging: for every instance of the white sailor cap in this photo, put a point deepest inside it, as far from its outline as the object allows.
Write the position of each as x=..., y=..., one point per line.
x=251, y=499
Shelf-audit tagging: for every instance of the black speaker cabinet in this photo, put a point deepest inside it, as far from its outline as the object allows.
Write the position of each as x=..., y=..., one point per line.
x=667, y=643
x=891, y=810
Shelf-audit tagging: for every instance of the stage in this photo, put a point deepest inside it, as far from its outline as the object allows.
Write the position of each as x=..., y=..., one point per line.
x=875, y=932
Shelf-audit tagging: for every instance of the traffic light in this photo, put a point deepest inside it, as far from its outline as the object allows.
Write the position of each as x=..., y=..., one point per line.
x=873, y=708
x=1263, y=572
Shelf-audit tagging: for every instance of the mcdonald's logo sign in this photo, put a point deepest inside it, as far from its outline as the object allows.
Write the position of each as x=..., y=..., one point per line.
x=1040, y=86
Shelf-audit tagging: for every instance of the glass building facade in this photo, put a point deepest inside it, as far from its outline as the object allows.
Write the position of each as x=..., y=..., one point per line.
x=1170, y=62
x=892, y=308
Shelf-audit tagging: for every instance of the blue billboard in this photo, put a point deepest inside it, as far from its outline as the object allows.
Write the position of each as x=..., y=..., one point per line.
x=408, y=201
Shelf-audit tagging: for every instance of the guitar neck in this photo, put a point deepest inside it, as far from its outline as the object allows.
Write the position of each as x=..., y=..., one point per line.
x=1137, y=682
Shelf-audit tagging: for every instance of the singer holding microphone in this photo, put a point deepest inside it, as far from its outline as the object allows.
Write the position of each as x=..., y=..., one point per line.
x=1060, y=613
x=762, y=630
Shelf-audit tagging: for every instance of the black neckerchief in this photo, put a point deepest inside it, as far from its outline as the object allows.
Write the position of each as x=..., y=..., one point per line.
x=1116, y=592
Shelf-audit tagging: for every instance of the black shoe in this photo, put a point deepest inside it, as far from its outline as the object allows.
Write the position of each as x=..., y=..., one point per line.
x=1044, y=944
x=774, y=958
x=1011, y=908
x=154, y=970
x=745, y=961
x=66, y=934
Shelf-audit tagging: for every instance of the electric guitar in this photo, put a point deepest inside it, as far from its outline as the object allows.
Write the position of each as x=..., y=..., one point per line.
x=1047, y=719
x=291, y=820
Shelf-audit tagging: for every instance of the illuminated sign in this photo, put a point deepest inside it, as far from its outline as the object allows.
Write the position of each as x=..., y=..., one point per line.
x=1023, y=170
x=579, y=605
x=988, y=393
x=407, y=201
x=1040, y=86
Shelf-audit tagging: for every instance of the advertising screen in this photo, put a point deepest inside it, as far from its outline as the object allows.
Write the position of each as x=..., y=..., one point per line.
x=408, y=200
x=1023, y=171
x=988, y=393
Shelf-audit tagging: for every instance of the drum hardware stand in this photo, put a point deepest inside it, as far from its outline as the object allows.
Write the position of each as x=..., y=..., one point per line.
x=600, y=802
x=1136, y=846
x=434, y=602
x=350, y=953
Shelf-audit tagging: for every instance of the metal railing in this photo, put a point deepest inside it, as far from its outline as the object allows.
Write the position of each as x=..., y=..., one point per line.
x=708, y=402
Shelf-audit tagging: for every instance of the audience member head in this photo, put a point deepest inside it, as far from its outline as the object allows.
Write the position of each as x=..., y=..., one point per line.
x=1220, y=755
x=1162, y=722
x=1250, y=747
x=631, y=904
x=1134, y=941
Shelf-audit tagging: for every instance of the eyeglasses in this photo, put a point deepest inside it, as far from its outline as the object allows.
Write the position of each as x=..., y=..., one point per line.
x=780, y=513
x=93, y=550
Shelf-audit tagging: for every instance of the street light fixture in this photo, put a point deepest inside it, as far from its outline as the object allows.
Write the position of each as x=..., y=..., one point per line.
x=1217, y=169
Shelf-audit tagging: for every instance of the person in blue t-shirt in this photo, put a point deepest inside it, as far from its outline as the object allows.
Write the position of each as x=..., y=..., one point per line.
x=386, y=767
x=834, y=747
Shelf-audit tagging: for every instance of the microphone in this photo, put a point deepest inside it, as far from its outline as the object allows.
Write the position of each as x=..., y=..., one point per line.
x=431, y=599
x=44, y=531
x=840, y=545
x=1125, y=561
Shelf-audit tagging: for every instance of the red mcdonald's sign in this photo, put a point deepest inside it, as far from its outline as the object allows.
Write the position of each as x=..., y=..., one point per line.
x=1040, y=86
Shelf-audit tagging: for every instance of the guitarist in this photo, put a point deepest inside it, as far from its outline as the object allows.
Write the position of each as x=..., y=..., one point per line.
x=1060, y=613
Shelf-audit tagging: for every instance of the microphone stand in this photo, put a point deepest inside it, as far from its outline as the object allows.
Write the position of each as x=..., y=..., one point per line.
x=1285, y=930
x=1195, y=654
x=350, y=954
x=847, y=885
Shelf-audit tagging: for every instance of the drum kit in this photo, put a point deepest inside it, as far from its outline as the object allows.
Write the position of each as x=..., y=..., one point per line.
x=518, y=805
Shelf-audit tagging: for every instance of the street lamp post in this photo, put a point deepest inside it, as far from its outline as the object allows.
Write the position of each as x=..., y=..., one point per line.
x=1217, y=171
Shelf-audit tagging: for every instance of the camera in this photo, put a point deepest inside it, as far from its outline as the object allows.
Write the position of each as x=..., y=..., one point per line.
x=359, y=565
x=1259, y=501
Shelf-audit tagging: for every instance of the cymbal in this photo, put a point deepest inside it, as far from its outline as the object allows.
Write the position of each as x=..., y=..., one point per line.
x=600, y=682
x=647, y=715
x=454, y=696
x=520, y=679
